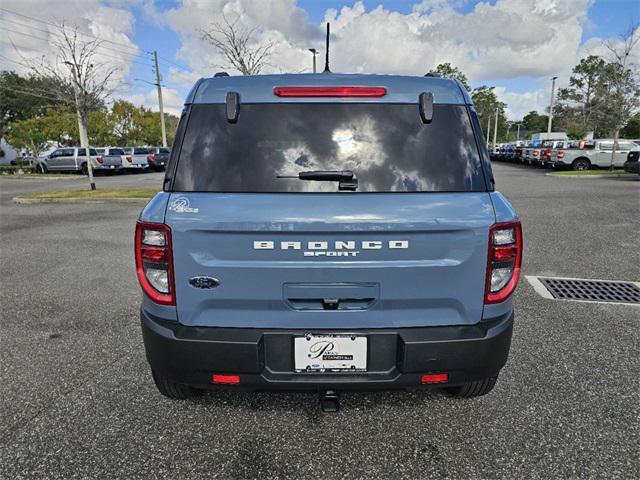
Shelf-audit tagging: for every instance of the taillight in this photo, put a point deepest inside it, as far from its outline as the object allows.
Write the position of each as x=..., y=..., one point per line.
x=547, y=153
x=535, y=153
x=360, y=92
x=151, y=158
x=129, y=159
x=154, y=261
x=504, y=261
x=560, y=154
x=100, y=160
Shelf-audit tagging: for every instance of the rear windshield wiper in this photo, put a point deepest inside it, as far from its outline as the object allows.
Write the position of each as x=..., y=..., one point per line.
x=347, y=180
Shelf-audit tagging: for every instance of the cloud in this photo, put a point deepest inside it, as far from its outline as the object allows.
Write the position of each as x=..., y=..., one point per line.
x=32, y=41
x=173, y=100
x=508, y=39
x=521, y=103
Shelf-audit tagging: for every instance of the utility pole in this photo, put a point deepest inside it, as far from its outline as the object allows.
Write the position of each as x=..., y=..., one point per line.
x=82, y=121
x=553, y=91
x=495, y=129
x=488, y=130
x=164, y=131
x=519, y=130
x=314, y=52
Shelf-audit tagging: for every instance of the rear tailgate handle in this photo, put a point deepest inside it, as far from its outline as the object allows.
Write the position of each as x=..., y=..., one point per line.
x=330, y=303
x=341, y=296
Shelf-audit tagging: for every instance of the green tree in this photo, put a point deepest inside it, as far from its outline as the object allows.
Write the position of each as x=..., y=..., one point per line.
x=446, y=70
x=533, y=122
x=486, y=104
x=23, y=97
x=101, y=129
x=30, y=134
x=123, y=118
x=632, y=128
x=578, y=102
x=57, y=125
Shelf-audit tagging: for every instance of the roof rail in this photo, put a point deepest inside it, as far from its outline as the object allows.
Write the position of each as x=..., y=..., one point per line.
x=221, y=74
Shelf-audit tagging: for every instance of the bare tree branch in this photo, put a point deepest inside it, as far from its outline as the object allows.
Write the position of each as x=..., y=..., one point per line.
x=234, y=42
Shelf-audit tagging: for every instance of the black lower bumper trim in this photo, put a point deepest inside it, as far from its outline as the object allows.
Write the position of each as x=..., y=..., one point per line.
x=264, y=358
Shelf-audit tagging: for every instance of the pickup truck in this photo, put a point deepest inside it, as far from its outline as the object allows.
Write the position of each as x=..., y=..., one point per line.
x=328, y=232
x=136, y=157
x=595, y=153
x=159, y=158
x=112, y=157
x=74, y=159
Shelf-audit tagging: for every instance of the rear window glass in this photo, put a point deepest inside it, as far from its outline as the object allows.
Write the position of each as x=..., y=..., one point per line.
x=163, y=150
x=92, y=152
x=116, y=151
x=386, y=146
x=141, y=151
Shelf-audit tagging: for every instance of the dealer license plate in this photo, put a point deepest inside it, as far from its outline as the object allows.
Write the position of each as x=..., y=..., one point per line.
x=330, y=353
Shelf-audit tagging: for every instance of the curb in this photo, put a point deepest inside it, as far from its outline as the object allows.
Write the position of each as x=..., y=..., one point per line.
x=32, y=201
x=37, y=178
x=615, y=175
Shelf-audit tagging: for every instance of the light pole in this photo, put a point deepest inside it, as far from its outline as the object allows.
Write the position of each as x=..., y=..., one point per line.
x=553, y=91
x=495, y=129
x=488, y=130
x=314, y=52
x=519, y=130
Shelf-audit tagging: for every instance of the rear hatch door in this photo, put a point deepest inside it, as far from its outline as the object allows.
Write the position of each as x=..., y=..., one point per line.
x=402, y=260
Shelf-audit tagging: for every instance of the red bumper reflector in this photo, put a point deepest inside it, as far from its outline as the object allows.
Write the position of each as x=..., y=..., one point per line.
x=225, y=379
x=434, y=378
x=359, y=92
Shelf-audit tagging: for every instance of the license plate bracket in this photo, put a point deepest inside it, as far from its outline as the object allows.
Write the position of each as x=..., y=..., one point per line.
x=326, y=353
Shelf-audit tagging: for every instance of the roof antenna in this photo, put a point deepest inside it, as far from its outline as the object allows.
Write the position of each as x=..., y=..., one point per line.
x=326, y=60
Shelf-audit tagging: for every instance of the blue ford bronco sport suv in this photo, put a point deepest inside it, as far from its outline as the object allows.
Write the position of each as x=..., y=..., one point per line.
x=328, y=232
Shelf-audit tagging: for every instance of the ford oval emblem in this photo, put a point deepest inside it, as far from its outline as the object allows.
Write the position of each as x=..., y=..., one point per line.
x=204, y=282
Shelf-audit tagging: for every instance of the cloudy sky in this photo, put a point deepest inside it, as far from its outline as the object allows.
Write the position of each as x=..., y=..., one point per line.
x=515, y=45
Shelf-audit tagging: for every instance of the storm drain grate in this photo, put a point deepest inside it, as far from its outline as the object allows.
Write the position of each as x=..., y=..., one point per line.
x=592, y=290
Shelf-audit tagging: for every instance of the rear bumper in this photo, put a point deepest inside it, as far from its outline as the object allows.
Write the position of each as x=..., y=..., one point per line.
x=264, y=358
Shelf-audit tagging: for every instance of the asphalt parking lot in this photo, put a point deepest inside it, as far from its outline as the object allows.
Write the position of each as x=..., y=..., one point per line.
x=78, y=400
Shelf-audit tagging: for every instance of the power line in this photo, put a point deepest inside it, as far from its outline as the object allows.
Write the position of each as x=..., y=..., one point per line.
x=59, y=35
x=24, y=92
x=46, y=40
x=57, y=26
x=183, y=68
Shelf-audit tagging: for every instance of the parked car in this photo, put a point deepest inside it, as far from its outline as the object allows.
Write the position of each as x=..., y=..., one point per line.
x=547, y=148
x=159, y=158
x=267, y=264
x=74, y=159
x=595, y=153
x=112, y=157
x=632, y=165
x=136, y=157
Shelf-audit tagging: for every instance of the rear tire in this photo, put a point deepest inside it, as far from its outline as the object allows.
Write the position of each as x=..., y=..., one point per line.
x=173, y=390
x=581, y=164
x=84, y=169
x=40, y=168
x=473, y=389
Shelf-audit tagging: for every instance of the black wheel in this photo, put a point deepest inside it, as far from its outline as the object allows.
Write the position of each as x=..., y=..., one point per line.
x=84, y=169
x=474, y=389
x=581, y=164
x=40, y=168
x=173, y=390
